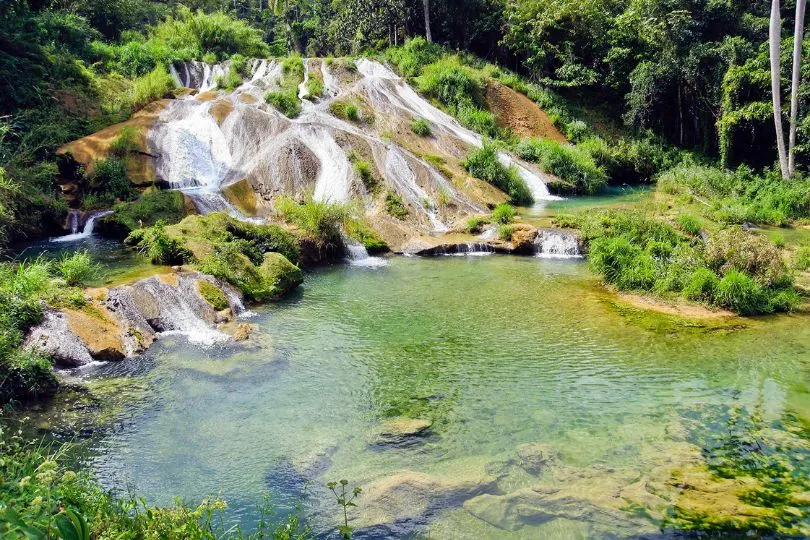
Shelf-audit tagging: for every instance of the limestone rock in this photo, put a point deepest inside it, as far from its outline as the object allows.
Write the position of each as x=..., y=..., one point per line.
x=401, y=430
x=98, y=331
x=54, y=337
x=409, y=496
x=523, y=236
x=242, y=332
x=533, y=457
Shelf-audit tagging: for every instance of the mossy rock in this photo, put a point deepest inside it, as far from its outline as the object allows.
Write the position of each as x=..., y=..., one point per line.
x=153, y=206
x=213, y=295
x=268, y=281
x=279, y=274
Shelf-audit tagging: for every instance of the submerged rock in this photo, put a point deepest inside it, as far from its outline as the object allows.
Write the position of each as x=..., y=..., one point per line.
x=401, y=430
x=533, y=457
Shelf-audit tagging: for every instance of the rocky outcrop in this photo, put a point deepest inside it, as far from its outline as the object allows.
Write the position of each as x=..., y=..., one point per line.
x=125, y=320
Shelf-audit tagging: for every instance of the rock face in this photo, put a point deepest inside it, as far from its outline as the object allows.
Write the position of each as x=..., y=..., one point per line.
x=125, y=320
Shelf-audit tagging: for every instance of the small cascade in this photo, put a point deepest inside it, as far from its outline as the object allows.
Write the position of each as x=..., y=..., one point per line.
x=330, y=83
x=73, y=221
x=87, y=231
x=207, y=201
x=335, y=173
x=490, y=233
x=176, y=76
x=178, y=312
x=357, y=254
x=303, y=91
x=557, y=244
x=402, y=175
x=464, y=249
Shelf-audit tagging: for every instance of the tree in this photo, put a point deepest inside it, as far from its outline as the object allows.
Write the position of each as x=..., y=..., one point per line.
x=775, y=41
x=426, y=7
x=798, y=38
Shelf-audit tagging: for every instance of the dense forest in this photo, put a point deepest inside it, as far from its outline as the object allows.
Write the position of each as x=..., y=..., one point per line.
x=694, y=73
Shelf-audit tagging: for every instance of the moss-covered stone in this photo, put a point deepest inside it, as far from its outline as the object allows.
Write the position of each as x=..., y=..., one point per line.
x=153, y=206
x=213, y=295
x=279, y=274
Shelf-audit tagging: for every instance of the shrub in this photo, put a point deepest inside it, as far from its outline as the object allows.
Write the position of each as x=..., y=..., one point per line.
x=109, y=181
x=345, y=110
x=479, y=120
x=395, y=206
x=505, y=232
x=413, y=55
x=702, y=285
x=475, y=224
x=451, y=83
x=154, y=85
x=153, y=206
x=568, y=162
x=421, y=127
x=230, y=81
x=739, y=292
x=483, y=163
x=76, y=268
x=315, y=87
x=158, y=246
x=366, y=172
x=322, y=220
x=285, y=101
x=735, y=249
x=503, y=214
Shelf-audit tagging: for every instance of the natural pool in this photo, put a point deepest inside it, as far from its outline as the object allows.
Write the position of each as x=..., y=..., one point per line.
x=529, y=373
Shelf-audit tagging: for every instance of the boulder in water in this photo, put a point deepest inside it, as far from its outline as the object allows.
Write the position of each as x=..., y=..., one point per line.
x=401, y=430
x=54, y=338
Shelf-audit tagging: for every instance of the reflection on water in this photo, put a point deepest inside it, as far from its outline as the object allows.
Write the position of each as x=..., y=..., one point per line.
x=508, y=360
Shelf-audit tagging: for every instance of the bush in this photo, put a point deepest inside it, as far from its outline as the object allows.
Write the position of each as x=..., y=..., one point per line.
x=451, y=83
x=568, y=162
x=479, y=120
x=153, y=206
x=230, y=81
x=285, y=101
x=413, y=55
x=740, y=293
x=476, y=224
x=366, y=172
x=154, y=85
x=158, y=246
x=76, y=268
x=503, y=214
x=315, y=87
x=421, y=127
x=395, y=206
x=322, y=220
x=735, y=249
x=483, y=163
x=109, y=181
x=505, y=232
x=345, y=110
x=702, y=285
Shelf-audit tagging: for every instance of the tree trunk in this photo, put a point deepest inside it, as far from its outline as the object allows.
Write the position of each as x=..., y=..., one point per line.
x=775, y=35
x=798, y=38
x=426, y=6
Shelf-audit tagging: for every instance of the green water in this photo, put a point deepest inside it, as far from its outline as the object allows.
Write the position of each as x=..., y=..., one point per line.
x=496, y=351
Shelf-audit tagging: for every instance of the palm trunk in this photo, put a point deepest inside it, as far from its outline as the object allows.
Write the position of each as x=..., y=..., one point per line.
x=798, y=38
x=426, y=6
x=775, y=35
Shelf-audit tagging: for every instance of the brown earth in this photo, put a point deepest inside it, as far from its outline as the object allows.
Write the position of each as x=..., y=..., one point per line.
x=517, y=112
x=688, y=310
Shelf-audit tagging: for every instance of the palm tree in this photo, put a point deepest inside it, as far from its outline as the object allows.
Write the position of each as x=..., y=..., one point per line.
x=426, y=6
x=798, y=38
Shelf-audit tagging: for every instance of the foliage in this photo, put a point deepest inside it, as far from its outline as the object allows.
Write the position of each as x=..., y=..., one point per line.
x=151, y=86
x=158, y=246
x=109, y=182
x=451, y=83
x=689, y=224
x=736, y=270
x=285, y=101
x=76, y=268
x=421, y=127
x=503, y=214
x=151, y=207
x=802, y=260
x=566, y=161
x=40, y=498
x=345, y=500
x=413, y=55
x=269, y=279
x=319, y=219
x=361, y=231
x=315, y=86
x=483, y=163
x=476, y=224
x=395, y=206
x=366, y=172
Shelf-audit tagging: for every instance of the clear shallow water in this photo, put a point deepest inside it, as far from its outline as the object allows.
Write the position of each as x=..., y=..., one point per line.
x=495, y=351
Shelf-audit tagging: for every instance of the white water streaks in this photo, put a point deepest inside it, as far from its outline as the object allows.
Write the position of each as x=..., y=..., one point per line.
x=193, y=151
x=335, y=171
x=357, y=255
x=556, y=244
x=399, y=172
x=303, y=91
x=87, y=231
x=330, y=83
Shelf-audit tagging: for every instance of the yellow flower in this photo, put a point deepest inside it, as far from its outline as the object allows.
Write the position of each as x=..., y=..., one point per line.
x=69, y=476
x=37, y=501
x=24, y=482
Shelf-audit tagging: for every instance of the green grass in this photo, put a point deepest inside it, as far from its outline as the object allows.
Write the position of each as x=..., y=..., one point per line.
x=153, y=206
x=503, y=214
x=476, y=224
x=421, y=127
x=76, y=268
x=570, y=163
x=213, y=295
x=395, y=206
x=483, y=163
x=315, y=87
x=154, y=85
x=158, y=246
x=321, y=220
x=285, y=101
x=230, y=81
x=345, y=110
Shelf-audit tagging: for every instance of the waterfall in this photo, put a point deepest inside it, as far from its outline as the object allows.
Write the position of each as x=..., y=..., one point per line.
x=556, y=244
x=207, y=201
x=330, y=83
x=357, y=254
x=73, y=221
x=335, y=171
x=303, y=91
x=87, y=231
x=402, y=175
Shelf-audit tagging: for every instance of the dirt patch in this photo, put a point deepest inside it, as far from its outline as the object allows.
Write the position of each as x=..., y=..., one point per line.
x=690, y=311
x=517, y=112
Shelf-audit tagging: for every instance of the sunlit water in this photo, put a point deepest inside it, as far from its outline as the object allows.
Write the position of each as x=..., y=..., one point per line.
x=496, y=351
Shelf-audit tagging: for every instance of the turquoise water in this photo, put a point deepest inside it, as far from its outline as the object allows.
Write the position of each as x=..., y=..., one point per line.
x=496, y=352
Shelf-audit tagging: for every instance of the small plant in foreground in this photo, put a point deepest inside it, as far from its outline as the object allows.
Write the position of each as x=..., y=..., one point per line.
x=504, y=214
x=345, y=500
x=285, y=101
x=76, y=268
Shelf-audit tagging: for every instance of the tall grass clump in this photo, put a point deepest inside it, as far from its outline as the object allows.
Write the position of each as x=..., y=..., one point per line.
x=570, y=163
x=503, y=214
x=156, y=244
x=483, y=163
x=156, y=84
x=413, y=56
x=345, y=110
x=76, y=268
x=421, y=127
x=285, y=101
x=322, y=220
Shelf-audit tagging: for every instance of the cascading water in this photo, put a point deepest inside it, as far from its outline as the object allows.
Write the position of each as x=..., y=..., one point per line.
x=73, y=221
x=357, y=255
x=330, y=83
x=303, y=91
x=556, y=244
x=400, y=173
x=87, y=231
